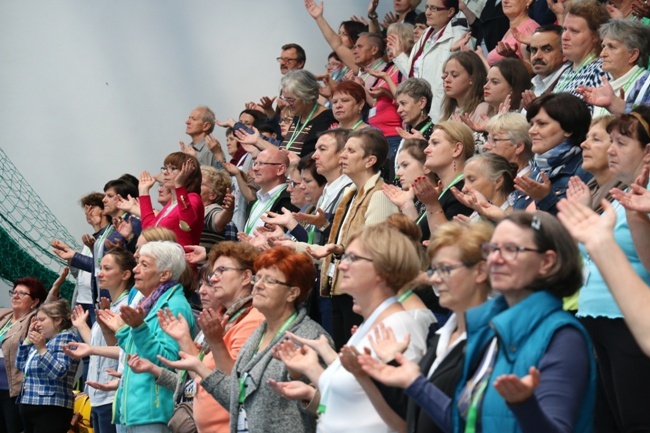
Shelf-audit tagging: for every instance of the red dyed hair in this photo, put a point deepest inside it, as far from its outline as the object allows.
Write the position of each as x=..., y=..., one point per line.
x=298, y=268
x=351, y=88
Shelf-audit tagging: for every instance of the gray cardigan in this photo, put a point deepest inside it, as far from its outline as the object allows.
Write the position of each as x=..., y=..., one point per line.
x=266, y=411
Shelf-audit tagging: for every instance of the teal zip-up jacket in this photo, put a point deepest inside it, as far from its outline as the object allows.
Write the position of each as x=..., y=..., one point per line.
x=523, y=332
x=139, y=400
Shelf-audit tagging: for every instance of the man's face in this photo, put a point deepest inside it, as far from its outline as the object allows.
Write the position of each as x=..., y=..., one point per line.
x=289, y=61
x=268, y=169
x=363, y=52
x=110, y=203
x=194, y=125
x=546, y=53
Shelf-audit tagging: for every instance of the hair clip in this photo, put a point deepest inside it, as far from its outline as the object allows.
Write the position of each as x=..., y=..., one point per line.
x=536, y=223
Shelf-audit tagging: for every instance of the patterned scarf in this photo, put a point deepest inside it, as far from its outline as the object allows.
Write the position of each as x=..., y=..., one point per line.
x=147, y=303
x=554, y=160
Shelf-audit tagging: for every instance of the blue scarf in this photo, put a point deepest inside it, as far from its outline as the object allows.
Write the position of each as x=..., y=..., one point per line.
x=554, y=160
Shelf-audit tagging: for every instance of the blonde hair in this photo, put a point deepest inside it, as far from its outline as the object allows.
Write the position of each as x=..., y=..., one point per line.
x=459, y=133
x=153, y=234
x=217, y=180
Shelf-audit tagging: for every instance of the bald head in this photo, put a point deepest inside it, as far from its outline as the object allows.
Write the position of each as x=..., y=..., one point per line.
x=270, y=169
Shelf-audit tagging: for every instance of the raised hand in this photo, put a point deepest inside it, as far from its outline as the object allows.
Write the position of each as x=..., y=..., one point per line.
x=583, y=223
x=641, y=8
x=425, y=191
x=318, y=219
x=214, y=146
x=602, y=96
x=146, y=182
x=186, y=362
x=77, y=350
x=402, y=376
x=638, y=199
x=515, y=390
x=506, y=50
x=195, y=254
x=504, y=107
x=124, y=226
x=413, y=135
x=578, y=191
x=532, y=188
x=245, y=138
x=475, y=125
x=188, y=150
x=298, y=360
x=398, y=196
x=175, y=327
x=186, y=171
x=380, y=92
x=56, y=286
x=266, y=102
x=285, y=219
x=394, y=45
x=79, y=317
x=522, y=38
x=108, y=386
x=213, y=326
x=62, y=250
x=128, y=204
x=350, y=362
x=389, y=18
x=383, y=342
x=140, y=365
x=294, y=390
x=230, y=123
x=461, y=43
x=314, y=9
x=527, y=97
x=320, y=345
x=319, y=252
x=111, y=320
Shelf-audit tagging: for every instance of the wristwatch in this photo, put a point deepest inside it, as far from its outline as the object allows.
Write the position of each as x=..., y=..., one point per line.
x=373, y=16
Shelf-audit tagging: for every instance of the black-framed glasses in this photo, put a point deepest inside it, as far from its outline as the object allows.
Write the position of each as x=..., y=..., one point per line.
x=349, y=257
x=435, y=8
x=293, y=184
x=444, y=271
x=168, y=169
x=507, y=251
x=262, y=163
x=286, y=120
x=285, y=60
x=219, y=270
x=268, y=281
x=21, y=295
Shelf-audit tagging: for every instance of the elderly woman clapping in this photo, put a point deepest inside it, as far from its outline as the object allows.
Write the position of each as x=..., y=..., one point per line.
x=139, y=402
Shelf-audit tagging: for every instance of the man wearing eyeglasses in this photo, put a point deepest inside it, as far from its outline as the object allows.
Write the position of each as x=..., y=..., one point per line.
x=292, y=57
x=270, y=174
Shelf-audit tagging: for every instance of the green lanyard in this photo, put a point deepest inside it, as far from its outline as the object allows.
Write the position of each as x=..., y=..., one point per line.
x=426, y=126
x=404, y=296
x=251, y=223
x=298, y=131
x=310, y=235
x=7, y=326
x=356, y=125
x=282, y=330
x=421, y=217
x=100, y=243
x=237, y=314
x=453, y=182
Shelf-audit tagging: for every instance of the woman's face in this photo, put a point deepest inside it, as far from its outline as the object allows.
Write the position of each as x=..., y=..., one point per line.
x=514, y=8
x=326, y=155
x=247, y=119
x=352, y=159
x=226, y=284
x=545, y=132
x=164, y=195
x=499, y=143
x=285, y=121
x=409, y=109
x=514, y=275
x=408, y=169
x=345, y=107
x=272, y=297
x=594, y=149
x=457, y=291
x=617, y=57
x=47, y=327
x=21, y=301
x=295, y=104
x=357, y=274
x=170, y=173
x=440, y=17
x=110, y=275
x=231, y=144
x=456, y=79
x=439, y=152
x=626, y=157
x=332, y=65
x=577, y=40
x=419, y=30
x=147, y=278
x=345, y=38
x=310, y=187
x=476, y=179
x=496, y=88
x=296, y=193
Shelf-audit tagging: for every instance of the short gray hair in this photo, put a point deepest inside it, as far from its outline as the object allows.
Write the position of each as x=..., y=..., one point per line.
x=376, y=40
x=303, y=84
x=515, y=125
x=632, y=34
x=416, y=88
x=167, y=256
x=208, y=116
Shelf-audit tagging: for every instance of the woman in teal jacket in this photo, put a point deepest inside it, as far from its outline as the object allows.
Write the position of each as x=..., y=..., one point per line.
x=140, y=404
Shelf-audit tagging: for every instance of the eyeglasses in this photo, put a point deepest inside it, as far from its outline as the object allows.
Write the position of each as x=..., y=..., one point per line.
x=20, y=294
x=168, y=169
x=349, y=257
x=493, y=140
x=262, y=163
x=219, y=270
x=444, y=272
x=435, y=8
x=285, y=60
x=286, y=120
x=289, y=101
x=293, y=184
x=268, y=281
x=508, y=251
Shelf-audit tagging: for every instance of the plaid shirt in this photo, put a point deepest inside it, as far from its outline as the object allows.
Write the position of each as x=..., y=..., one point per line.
x=49, y=378
x=590, y=75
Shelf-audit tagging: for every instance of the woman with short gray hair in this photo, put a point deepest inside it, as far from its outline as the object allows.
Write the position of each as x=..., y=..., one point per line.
x=300, y=95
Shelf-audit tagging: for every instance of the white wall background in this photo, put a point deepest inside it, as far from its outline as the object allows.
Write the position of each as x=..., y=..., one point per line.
x=90, y=90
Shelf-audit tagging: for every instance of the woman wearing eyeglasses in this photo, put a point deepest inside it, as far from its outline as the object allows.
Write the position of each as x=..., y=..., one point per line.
x=528, y=363
x=282, y=283
x=183, y=214
x=26, y=295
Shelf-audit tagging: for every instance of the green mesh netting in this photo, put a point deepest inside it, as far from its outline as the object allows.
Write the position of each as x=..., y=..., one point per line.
x=26, y=228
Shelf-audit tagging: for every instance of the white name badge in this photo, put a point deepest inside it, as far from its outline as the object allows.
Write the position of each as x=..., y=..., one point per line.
x=372, y=112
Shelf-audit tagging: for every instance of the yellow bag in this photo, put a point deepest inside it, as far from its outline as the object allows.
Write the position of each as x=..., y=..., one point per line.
x=81, y=419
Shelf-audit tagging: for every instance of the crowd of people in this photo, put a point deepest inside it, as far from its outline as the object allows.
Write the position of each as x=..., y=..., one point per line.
x=445, y=231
